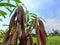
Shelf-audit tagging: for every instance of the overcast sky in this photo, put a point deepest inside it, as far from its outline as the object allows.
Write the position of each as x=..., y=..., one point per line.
x=49, y=10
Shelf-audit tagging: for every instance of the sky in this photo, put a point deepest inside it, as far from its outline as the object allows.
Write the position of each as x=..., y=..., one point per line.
x=49, y=10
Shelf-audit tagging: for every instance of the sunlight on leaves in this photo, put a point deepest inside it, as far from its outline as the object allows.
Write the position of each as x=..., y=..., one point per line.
x=2, y=13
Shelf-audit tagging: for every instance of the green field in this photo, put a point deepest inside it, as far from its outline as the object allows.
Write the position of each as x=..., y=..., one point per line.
x=55, y=40
x=52, y=40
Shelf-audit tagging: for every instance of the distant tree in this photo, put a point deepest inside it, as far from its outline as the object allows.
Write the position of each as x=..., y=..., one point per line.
x=55, y=33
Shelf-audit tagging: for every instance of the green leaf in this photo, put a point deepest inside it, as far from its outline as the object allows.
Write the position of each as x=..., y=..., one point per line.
x=0, y=19
x=33, y=15
x=2, y=13
x=17, y=2
x=12, y=12
x=8, y=1
x=27, y=18
x=26, y=12
x=8, y=9
x=7, y=4
x=5, y=25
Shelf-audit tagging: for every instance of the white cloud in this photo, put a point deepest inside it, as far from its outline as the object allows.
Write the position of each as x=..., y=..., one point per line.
x=52, y=23
x=30, y=4
x=58, y=12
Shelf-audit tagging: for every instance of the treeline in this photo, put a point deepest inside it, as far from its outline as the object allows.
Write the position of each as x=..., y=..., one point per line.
x=54, y=33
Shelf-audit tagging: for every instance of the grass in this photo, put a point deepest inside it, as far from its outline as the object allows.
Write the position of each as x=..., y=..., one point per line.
x=52, y=40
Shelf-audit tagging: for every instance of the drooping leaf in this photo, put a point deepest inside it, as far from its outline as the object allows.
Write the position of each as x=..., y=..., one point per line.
x=40, y=18
x=2, y=13
x=7, y=34
x=43, y=34
x=7, y=4
x=37, y=31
